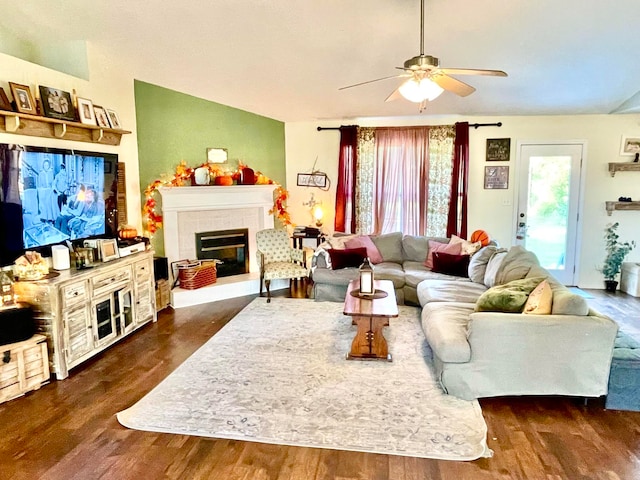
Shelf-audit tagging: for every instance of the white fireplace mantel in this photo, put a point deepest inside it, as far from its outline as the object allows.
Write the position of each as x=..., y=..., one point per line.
x=190, y=210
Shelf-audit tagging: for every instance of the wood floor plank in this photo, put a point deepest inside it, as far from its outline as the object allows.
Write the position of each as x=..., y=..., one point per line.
x=68, y=429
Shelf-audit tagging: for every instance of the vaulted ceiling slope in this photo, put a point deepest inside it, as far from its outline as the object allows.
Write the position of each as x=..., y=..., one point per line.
x=286, y=59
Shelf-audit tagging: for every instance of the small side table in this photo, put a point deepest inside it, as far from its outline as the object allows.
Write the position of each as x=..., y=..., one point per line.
x=299, y=237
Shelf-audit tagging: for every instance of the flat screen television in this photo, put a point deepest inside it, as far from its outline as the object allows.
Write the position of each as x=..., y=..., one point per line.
x=51, y=196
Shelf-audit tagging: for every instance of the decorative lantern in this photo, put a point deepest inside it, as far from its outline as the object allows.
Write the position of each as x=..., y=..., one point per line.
x=366, y=278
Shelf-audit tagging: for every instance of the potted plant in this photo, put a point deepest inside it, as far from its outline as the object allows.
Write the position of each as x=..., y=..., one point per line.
x=616, y=252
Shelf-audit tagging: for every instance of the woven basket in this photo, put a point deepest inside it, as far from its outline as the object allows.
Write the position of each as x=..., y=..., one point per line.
x=197, y=274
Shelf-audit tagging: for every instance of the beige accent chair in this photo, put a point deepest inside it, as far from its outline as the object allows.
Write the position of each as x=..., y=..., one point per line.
x=277, y=259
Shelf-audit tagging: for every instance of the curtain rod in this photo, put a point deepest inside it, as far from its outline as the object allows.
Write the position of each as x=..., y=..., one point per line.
x=474, y=125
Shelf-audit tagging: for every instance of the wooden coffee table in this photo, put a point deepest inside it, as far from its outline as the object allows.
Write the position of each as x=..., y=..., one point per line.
x=370, y=315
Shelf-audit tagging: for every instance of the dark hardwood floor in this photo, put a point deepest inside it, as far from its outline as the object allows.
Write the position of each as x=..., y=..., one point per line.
x=68, y=429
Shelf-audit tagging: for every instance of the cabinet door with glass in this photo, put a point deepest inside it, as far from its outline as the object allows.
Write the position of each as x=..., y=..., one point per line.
x=104, y=322
x=78, y=335
x=123, y=311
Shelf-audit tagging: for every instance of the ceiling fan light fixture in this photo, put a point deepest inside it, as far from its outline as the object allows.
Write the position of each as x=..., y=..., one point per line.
x=418, y=90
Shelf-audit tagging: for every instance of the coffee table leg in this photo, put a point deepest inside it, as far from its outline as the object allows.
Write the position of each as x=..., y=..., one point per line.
x=369, y=342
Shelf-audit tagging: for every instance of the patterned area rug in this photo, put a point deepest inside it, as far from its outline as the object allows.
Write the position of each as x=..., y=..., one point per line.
x=277, y=373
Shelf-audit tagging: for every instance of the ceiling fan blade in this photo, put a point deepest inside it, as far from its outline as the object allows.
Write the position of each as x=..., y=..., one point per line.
x=453, y=85
x=370, y=81
x=473, y=71
x=395, y=95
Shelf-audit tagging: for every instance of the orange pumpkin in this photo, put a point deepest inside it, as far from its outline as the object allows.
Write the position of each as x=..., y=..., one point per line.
x=224, y=180
x=480, y=236
x=127, y=232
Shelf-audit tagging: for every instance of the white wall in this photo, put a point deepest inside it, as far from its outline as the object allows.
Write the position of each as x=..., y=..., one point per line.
x=110, y=85
x=487, y=209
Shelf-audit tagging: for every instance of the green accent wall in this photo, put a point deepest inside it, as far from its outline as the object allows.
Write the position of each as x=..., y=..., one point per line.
x=173, y=126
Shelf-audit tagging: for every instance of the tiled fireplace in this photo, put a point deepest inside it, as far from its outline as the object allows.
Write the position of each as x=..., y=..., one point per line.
x=190, y=210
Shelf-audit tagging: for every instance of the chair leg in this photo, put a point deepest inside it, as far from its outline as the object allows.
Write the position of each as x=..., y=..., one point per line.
x=267, y=284
x=261, y=281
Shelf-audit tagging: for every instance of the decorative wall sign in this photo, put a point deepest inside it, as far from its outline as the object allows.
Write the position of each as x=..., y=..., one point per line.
x=496, y=178
x=498, y=149
x=312, y=180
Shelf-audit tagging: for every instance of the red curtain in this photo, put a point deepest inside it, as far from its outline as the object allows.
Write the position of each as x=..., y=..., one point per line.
x=457, y=222
x=345, y=219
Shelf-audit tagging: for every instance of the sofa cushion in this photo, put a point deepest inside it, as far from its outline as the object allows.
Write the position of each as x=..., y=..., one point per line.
x=457, y=265
x=468, y=248
x=509, y=297
x=478, y=263
x=349, y=257
x=565, y=302
x=493, y=267
x=445, y=326
x=452, y=248
x=390, y=246
x=515, y=265
x=540, y=300
x=365, y=241
x=416, y=272
x=390, y=271
x=340, y=277
x=439, y=290
x=415, y=248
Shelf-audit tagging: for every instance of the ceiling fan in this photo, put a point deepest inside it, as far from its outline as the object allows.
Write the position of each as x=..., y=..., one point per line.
x=426, y=79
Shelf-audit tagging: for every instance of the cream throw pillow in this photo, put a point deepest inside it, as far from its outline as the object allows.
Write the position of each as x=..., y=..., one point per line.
x=466, y=247
x=540, y=300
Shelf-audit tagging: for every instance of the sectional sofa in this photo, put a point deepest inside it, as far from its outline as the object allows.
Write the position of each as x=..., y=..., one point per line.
x=482, y=347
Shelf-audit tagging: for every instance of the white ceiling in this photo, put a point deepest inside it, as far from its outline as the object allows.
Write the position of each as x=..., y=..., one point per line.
x=286, y=59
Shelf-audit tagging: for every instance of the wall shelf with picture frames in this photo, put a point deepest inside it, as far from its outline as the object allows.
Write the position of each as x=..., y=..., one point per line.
x=37, y=126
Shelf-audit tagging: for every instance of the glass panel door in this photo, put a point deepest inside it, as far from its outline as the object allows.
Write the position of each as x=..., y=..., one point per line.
x=548, y=206
x=105, y=327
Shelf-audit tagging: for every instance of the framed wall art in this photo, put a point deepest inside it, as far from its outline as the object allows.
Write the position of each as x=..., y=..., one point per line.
x=85, y=111
x=57, y=104
x=312, y=180
x=630, y=145
x=24, y=99
x=5, y=104
x=114, y=120
x=498, y=149
x=496, y=178
x=101, y=117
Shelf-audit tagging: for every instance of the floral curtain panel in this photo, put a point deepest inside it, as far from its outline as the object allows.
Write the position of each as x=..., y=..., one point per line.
x=403, y=180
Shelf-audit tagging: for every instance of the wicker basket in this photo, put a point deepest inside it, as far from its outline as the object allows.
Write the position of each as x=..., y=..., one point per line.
x=197, y=274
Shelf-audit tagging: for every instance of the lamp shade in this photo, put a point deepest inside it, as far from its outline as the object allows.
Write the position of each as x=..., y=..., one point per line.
x=366, y=278
x=418, y=90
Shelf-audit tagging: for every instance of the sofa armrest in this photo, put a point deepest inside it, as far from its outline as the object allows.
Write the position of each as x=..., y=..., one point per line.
x=557, y=350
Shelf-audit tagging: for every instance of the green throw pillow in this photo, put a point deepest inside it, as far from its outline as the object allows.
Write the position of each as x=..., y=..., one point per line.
x=509, y=297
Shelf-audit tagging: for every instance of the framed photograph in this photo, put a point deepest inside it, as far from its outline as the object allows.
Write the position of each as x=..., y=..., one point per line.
x=5, y=104
x=85, y=111
x=101, y=117
x=57, y=104
x=630, y=145
x=108, y=249
x=114, y=120
x=498, y=149
x=312, y=180
x=24, y=99
x=496, y=178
